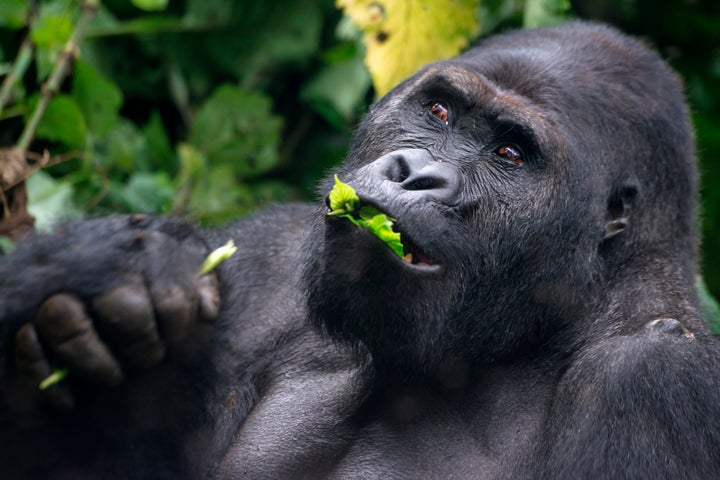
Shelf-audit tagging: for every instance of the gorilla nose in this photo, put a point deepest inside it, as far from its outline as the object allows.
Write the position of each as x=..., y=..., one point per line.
x=415, y=170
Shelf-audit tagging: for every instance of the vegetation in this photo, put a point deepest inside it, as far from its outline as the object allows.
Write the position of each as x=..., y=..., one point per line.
x=212, y=108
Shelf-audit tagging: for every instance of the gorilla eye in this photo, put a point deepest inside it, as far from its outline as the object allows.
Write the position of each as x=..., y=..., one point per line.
x=511, y=153
x=440, y=111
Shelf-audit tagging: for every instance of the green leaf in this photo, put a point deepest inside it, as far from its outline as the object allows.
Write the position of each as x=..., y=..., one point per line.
x=344, y=202
x=50, y=32
x=338, y=91
x=207, y=12
x=50, y=200
x=150, y=5
x=13, y=14
x=124, y=149
x=545, y=13
x=158, y=145
x=98, y=98
x=148, y=192
x=381, y=226
x=218, y=198
x=63, y=122
x=237, y=128
x=251, y=40
x=343, y=198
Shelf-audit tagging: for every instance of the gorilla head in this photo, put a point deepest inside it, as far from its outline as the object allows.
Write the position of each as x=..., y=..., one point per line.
x=530, y=179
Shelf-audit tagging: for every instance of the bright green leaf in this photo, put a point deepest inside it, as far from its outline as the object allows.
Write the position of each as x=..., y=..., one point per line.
x=343, y=198
x=344, y=202
x=403, y=35
x=62, y=122
x=381, y=226
x=98, y=98
x=150, y=5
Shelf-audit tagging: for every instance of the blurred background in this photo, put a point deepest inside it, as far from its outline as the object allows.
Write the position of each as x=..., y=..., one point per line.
x=213, y=108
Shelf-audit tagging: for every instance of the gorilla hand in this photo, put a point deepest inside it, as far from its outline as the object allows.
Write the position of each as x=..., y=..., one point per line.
x=95, y=309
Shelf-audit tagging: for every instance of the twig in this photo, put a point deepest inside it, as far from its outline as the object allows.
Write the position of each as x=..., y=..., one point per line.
x=51, y=87
x=22, y=62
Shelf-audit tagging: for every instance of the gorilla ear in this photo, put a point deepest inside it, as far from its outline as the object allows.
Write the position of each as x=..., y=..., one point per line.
x=619, y=206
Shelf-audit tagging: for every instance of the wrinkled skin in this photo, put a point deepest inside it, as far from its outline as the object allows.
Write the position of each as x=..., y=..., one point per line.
x=543, y=325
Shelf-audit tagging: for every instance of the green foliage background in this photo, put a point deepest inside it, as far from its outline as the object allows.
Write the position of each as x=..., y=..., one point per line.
x=212, y=108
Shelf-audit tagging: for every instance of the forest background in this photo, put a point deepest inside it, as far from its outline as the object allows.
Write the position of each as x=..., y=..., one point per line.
x=214, y=108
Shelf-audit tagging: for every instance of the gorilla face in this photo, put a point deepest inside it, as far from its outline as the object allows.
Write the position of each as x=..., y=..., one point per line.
x=508, y=178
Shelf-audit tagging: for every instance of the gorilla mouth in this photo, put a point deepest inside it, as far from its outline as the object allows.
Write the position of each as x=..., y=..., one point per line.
x=413, y=255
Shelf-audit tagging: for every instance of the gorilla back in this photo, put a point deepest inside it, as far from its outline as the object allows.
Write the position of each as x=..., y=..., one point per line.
x=543, y=322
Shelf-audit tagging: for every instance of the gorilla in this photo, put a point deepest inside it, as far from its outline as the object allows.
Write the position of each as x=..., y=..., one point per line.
x=542, y=324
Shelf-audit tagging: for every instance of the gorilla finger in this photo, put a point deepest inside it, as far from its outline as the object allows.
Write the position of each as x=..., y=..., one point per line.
x=176, y=311
x=125, y=316
x=208, y=298
x=68, y=331
x=31, y=364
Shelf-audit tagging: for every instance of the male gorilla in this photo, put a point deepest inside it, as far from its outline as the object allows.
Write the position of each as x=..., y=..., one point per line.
x=543, y=324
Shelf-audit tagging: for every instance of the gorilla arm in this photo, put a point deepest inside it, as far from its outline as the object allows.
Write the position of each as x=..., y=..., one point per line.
x=109, y=298
x=640, y=406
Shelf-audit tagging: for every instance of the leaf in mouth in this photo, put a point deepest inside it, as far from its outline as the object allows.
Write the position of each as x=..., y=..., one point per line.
x=344, y=203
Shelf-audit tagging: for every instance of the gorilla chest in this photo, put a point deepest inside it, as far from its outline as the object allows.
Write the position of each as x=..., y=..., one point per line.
x=446, y=445
x=400, y=436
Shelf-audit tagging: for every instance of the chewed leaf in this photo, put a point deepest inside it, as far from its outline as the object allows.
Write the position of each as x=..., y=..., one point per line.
x=343, y=198
x=367, y=213
x=344, y=203
x=381, y=226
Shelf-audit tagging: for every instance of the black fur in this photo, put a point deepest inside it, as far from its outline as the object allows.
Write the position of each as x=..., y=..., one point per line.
x=549, y=327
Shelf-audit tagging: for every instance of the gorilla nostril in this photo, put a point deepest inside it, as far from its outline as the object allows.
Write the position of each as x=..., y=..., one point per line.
x=424, y=183
x=399, y=170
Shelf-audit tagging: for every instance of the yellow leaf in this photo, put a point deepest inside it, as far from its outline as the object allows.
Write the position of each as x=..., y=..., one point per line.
x=403, y=35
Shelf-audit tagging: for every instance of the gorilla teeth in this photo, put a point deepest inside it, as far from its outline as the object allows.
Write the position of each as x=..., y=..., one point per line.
x=416, y=258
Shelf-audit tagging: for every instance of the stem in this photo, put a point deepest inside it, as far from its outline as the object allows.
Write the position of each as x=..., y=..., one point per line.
x=22, y=62
x=52, y=86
